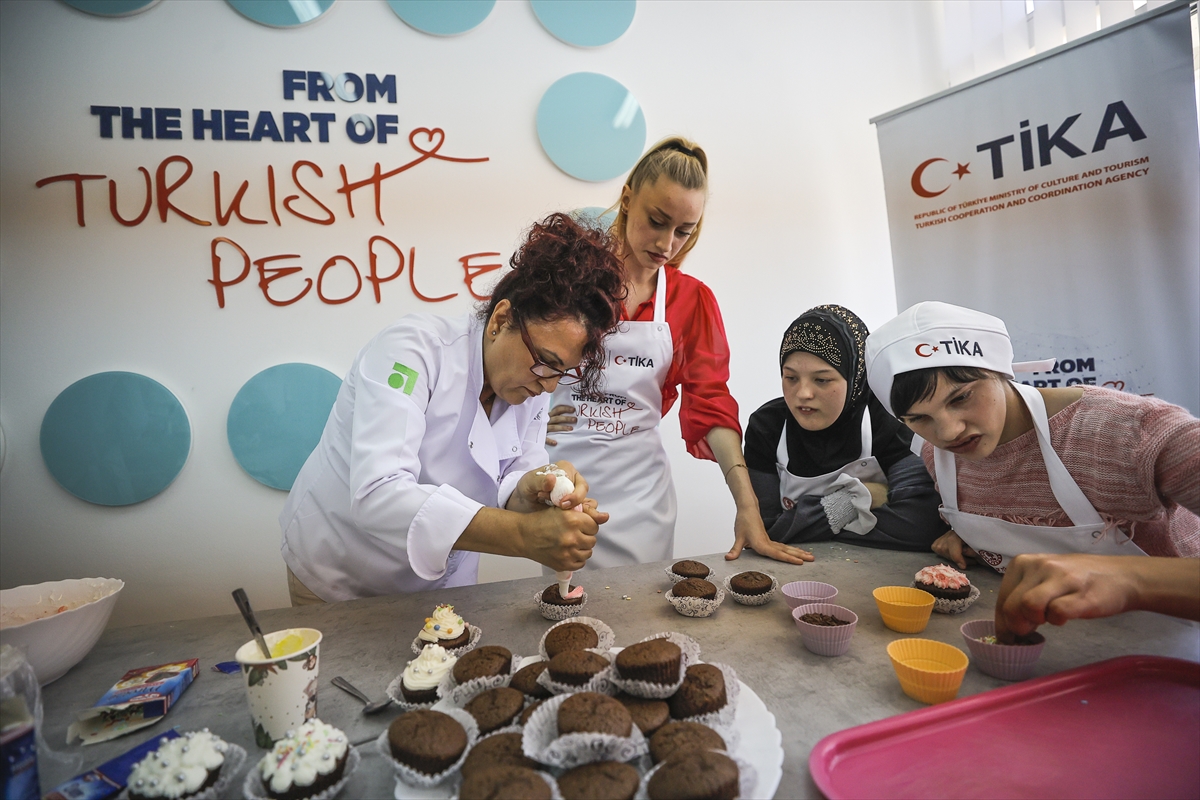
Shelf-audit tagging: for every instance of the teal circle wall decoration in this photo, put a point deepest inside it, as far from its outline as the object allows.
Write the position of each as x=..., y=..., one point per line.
x=595, y=216
x=585, y=23
x=112, y=8
x=442, y=17
x=281, y=13
x=115, y=438
x=276, y=420
x=591, y=126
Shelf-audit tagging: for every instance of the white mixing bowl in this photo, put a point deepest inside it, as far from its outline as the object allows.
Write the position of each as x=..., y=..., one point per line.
x=53, y=640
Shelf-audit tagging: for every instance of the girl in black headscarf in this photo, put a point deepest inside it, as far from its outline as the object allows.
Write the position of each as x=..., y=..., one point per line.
x=826, y=459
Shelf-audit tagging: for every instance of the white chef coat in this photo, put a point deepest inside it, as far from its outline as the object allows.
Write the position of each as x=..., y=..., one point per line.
x=406, y=460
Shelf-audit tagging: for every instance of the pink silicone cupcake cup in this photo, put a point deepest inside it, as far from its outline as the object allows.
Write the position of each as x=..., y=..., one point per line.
x=825, y=640
x=1008, y=662
x=798, y=593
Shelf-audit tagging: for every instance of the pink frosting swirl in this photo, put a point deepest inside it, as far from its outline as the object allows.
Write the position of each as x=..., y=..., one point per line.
x=943, y=577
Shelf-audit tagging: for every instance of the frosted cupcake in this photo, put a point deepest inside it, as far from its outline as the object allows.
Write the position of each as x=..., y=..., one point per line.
x=445, y=628
x=417, y=685
x=197, y=764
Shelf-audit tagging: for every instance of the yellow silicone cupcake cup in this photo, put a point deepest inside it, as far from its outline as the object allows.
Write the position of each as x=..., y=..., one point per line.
x=929, y=671
x=903, y=608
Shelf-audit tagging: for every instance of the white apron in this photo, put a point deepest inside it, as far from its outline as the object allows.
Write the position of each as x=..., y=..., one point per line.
x=865, y=470
x=616, y=444
x=997, y=541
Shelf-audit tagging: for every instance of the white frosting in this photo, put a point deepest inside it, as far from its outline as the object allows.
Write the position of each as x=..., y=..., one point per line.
x=179, y=766
x=299, y=757
x=444, y=624
x=426, y=670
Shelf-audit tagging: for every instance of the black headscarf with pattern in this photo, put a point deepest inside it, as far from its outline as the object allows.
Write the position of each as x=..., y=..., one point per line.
x=836, y=335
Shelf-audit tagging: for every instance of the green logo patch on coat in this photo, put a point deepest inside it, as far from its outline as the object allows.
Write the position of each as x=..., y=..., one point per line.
x=403, y=378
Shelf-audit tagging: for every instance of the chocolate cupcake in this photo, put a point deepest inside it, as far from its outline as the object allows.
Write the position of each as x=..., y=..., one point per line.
x=570, y=636
x=576, y=667
x=600, y=780
x=675, y=738
x=483, y=662
x=182, y=767
x=943, y=582
x=525, y=680
x=702, y=692
x=501, y=750
x=511, y=783
x=589, y=712
x=649, y=715
x=695, y=587
x=690, y=569
x=304, y=763
x=445, y=628
x=751, y=583
x=654, y=661
x=427, y=741
x=552, y=596
x=528, y=712
x=696, y=774
x=495, y=708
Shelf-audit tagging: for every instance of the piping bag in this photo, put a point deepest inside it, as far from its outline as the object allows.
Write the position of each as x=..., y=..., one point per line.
x=563, y=487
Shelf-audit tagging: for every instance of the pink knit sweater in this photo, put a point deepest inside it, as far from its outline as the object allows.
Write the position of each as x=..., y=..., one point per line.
x=1137, y=459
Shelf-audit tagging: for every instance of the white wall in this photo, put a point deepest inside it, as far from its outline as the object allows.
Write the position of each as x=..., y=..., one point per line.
x=779, y=94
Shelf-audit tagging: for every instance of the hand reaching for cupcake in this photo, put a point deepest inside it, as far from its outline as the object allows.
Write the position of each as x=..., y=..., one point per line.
x=1041, y=588
x=950, y=547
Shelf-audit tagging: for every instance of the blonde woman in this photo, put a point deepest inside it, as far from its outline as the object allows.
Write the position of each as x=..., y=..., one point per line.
x=670, y=345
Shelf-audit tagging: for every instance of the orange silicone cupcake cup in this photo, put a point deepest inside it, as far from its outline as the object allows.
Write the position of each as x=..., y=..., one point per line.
x=929, y=671
x=903, y=608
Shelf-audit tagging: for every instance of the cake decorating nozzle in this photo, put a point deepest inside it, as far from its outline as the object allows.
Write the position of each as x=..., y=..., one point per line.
x=564, y=582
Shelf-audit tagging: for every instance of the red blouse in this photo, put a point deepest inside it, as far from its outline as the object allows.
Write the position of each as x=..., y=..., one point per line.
x=700, y=363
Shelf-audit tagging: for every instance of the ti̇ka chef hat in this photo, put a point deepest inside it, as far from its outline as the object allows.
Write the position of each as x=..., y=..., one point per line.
x=933, y=334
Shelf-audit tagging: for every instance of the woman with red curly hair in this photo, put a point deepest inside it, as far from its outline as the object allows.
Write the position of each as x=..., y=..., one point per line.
x=432, y=451
x=672, y=339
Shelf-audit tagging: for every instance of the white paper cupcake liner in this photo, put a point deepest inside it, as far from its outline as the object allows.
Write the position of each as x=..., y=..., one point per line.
x=418, y=643
x=831, y=640
x=412, y=777
x=601, y=682
x=943, y=606
x=747, y=778
x=723, y=717
x=235, y=756
x=396, y=696
x=555, y=792
x=695, y=606
x=605, y=633
x=459, y=694
x=253, y=788
x=677, y=578
x=542, y=742
x=689, y=654
x=752, y=599
x=556, y=612
x=1008, y=662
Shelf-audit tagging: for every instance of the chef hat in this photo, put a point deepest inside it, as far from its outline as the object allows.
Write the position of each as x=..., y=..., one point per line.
x=932, y=334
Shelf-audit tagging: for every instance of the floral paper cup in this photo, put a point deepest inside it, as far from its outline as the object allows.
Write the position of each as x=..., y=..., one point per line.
x=1008, y=662
x=798, y=593
x=282, y=691
x=929, y=671
x=825, y=640
x=904, y=609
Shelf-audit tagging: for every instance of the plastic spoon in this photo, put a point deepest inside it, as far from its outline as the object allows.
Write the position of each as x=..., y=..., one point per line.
x=243, y=604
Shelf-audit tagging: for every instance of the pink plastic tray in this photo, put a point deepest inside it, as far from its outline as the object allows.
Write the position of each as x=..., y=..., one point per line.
x=1124, y=728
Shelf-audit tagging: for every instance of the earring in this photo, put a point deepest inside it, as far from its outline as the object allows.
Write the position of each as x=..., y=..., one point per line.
x=494, y=333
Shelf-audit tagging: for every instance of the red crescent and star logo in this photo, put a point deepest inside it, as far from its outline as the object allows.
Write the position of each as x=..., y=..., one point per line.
x=919, y=187
x=932, y=349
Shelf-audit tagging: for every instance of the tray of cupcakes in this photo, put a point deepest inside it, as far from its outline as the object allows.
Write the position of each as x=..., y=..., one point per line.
x=581, y=715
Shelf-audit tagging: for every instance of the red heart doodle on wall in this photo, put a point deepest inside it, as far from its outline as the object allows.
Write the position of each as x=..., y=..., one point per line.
x=1118, y=385
x=435, y=137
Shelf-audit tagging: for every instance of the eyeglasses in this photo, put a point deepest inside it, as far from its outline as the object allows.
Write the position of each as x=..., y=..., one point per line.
x=543, y=370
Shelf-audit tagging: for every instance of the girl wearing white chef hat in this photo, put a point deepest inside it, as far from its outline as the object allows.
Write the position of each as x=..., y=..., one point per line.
x=434, y=450
x=1023, y=470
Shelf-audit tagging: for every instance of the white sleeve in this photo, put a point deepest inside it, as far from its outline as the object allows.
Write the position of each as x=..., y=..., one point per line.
x=533, y=450
x=387, y=501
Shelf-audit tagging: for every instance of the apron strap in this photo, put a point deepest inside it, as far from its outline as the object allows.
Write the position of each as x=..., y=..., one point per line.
x=947, y=477
x=1066, y=490
x=916, y=445
x=660, y=297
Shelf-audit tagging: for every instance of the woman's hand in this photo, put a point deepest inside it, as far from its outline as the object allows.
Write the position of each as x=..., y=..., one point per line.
x=748, y=531
x=561, y=419
x=879, y=493
x=534, y=488
x=562, y=540
x=952, y=548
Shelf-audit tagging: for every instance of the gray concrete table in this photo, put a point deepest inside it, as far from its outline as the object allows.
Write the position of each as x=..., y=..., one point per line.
x=367, y=642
